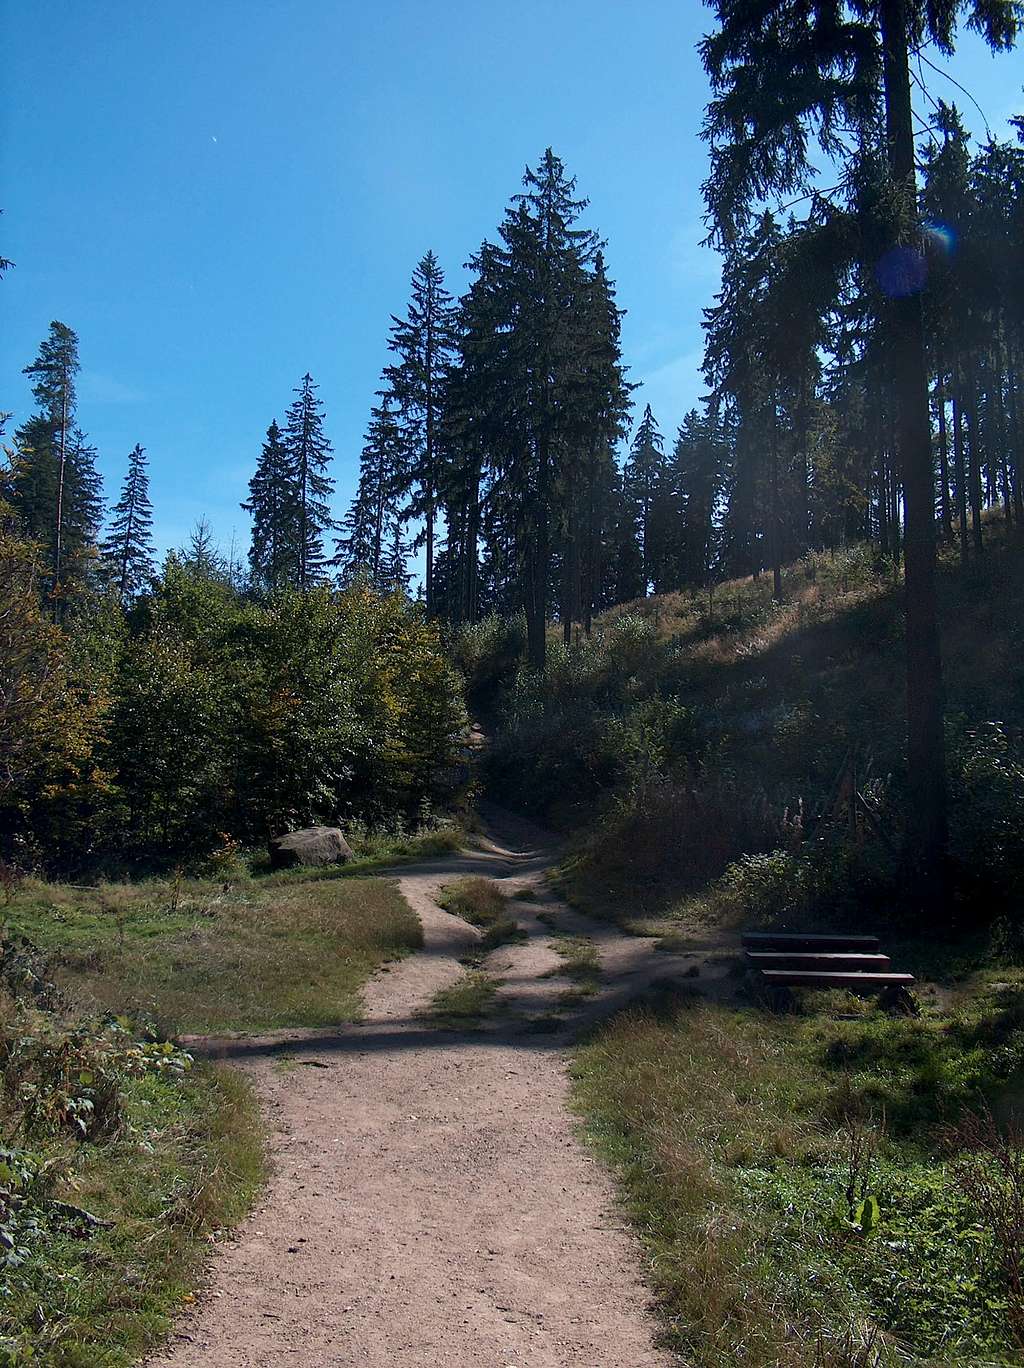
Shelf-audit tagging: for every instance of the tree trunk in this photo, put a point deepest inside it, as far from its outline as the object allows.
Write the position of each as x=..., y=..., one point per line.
x=1015, y=428
x=959, y=473
x=944, y=503
x=927, y=830
x=974, y=457
x=59, y=529
x=773, y=512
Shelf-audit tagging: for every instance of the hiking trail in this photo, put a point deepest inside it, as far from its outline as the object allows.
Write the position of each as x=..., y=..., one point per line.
x=429, y=1201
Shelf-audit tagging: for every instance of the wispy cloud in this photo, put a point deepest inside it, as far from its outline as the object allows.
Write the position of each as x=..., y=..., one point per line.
x=95, y=388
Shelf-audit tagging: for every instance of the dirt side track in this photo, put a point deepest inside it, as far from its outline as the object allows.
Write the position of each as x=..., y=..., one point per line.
x=430, y=1203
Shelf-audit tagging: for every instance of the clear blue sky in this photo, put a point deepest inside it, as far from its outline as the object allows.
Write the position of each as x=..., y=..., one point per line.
x=219, y=195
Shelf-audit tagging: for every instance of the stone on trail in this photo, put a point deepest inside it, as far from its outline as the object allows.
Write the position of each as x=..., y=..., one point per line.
x=318, y=845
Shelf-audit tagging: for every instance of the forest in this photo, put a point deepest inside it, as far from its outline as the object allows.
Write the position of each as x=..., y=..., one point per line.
x=578, y=687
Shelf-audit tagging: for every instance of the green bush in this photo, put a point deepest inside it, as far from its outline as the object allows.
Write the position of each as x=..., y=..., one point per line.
x=215, y=718
x=986, y=765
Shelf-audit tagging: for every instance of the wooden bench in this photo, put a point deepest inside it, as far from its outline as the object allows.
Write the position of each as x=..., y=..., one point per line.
x=852, y=982
x=798, y=959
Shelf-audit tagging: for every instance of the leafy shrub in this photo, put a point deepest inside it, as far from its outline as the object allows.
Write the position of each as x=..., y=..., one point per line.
x=488, y=653
x=213, y=714
x=986, y=766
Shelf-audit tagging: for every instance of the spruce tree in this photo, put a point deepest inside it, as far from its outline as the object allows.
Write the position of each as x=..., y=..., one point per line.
x=128, y=549
x=57, y=492
x=785, y=73
x=372, y=543
x=273, y=505
x=308, y=454
x=423, y=343
x=644, y=480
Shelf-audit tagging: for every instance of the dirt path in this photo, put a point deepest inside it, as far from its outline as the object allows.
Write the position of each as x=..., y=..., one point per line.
x=430, y=1203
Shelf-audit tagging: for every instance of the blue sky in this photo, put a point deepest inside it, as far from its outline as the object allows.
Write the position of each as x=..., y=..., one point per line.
x=220, y=195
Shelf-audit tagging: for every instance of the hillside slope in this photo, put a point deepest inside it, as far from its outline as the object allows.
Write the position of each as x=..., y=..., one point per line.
x=694, y=729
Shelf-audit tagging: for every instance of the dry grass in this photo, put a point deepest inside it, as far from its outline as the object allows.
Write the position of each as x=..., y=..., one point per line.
x=477, y=900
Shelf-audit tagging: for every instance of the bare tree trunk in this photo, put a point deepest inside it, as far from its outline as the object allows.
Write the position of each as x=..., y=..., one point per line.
x=927, y=821
x=959, y=469
x=944, y=502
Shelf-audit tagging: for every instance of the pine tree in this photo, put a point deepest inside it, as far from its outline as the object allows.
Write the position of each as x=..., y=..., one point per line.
x=644, y=481
x=535, y=282
x=273, y=504
x=782, y=72
x=57, y=492
x=423, y=342
x=128, y=550
x=372, y=543
x=308, y=454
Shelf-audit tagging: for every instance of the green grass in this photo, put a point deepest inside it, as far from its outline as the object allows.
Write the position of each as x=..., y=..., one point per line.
x=187, y=1166
x=733, y=1132
x=465, y=1003
x=194, y=956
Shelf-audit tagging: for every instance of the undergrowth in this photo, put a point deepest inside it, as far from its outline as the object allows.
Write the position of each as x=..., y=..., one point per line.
x=808, y=1186
x=121, y=1160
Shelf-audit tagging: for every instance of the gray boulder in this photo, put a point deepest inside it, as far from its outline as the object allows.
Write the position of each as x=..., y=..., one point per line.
x=319, y=845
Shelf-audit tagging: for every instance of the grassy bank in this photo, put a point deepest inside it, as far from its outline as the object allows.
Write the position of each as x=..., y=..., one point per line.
x=121, y=1159
x=811, y=1188
x=195, y=955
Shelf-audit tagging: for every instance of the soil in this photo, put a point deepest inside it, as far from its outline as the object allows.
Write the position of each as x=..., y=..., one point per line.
x=430, y=1202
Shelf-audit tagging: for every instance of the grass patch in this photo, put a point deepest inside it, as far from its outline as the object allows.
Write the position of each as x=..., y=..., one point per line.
x=482, y=903
x=751, y=1149
x=373, y=850
x=190, y=1167
x=580, y=963
x=196, y=956
x=465, y=1002
x=477, y=900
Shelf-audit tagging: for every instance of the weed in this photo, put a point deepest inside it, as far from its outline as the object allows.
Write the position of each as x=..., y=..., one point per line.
x=580, y=962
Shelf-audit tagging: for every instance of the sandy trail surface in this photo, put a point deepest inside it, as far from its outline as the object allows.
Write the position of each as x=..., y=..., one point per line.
x=430, y=1203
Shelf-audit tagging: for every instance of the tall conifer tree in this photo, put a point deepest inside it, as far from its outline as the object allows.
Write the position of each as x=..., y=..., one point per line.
x=372, y=543
x=57, y=493
x=273, y=504
x=423, y=343
x=128, y=549
x=308, y=455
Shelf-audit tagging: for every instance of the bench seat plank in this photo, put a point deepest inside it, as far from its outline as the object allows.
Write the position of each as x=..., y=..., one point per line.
x=814, y=959
x=815, y=978
x=799, y=940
